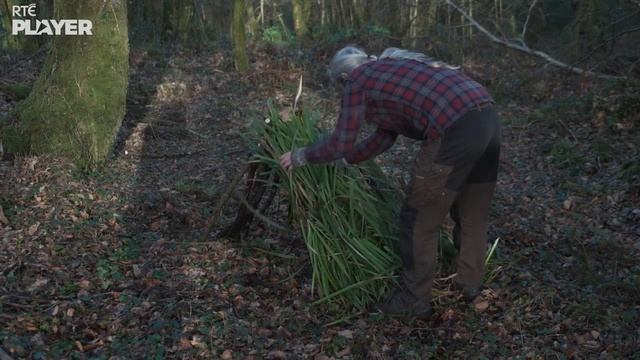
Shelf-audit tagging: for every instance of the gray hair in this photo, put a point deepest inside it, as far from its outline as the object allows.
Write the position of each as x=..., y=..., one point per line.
x=345, y=60
x=350, y=57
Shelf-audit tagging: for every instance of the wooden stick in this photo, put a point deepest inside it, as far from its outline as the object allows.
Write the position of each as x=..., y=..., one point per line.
x=525, y=49
x=258, y=215
x=254, y=190
x=221, y=203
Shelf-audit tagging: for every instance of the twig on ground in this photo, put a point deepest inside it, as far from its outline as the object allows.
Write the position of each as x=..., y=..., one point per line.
x=575, y=138
x=17, y=306
x=172, y=156
x=257, y=214
x=221, y=203
x=294, y=274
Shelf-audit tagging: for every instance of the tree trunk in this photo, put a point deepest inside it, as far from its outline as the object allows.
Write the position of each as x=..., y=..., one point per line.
x=10, y=42
x=301, y=13
x=251, y=21
x=262, y=13
x=184, y=12
x=78, y=102
x=240, y=57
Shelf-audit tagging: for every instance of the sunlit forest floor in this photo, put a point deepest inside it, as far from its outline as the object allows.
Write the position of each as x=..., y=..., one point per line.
x=113, y=264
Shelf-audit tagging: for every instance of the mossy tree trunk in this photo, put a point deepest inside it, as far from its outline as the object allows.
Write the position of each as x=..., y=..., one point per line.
x=10, y=42
x=240, y=57
x=78, y=101
x=301, y=14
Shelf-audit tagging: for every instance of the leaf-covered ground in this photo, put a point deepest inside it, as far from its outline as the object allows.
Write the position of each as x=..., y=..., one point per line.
x=114, y=265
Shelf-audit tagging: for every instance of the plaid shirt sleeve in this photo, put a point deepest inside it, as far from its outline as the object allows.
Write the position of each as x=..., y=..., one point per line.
x=342, y=140
x=374, y=145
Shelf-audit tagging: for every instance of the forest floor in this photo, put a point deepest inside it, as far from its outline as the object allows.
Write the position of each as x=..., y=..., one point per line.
x=114, y=265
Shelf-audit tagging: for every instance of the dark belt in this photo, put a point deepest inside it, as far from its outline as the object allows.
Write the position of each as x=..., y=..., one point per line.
x=483, y=106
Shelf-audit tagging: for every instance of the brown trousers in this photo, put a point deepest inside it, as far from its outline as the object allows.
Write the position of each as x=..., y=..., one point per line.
x=455, y=174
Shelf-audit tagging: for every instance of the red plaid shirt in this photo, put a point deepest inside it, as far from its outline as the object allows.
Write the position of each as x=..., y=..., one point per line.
x=403, y=97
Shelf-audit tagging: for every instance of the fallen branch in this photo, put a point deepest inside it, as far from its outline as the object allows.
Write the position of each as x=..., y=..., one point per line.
x=221, y=203
x=255, y=187
x=525, y=49
x=261, y=217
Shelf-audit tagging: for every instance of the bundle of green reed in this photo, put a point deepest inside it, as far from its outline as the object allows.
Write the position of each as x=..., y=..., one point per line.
x=347, y=215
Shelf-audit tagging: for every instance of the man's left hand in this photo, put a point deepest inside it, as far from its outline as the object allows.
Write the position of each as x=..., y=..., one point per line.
x=286, y=162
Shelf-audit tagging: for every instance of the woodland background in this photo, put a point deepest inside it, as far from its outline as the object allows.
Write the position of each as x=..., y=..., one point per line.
x=104, y=206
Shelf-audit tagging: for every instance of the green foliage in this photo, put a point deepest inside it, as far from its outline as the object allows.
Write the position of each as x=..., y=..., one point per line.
x=365, y=34
x=564, y=154
x=129, y=250
x=275, y=35
x=631, y=169
x=603, y=149
x=19, y=90
x=107, y=272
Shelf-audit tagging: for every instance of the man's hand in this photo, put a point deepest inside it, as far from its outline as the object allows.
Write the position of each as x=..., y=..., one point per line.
x=285, y=161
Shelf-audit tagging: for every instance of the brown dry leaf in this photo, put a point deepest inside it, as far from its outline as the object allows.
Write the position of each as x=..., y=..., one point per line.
x=155, y=226
x=84, y=284
x=282, y=332
x=3, y=219
x=285, y=114
x=227, y=355
x=185, y=344
x=38, y=284
x=567, y=204
x=151, y=282
x=33, y=229
x=481, y=306
x=448, y=314
x=277, y=354
x=344, y=352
